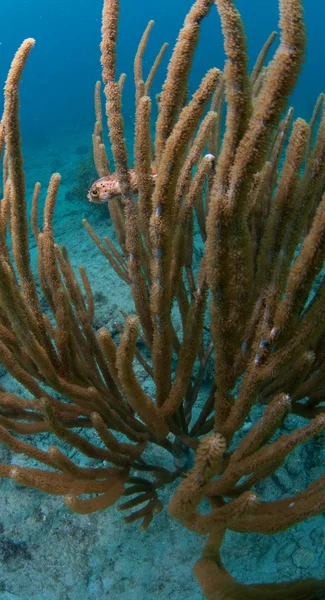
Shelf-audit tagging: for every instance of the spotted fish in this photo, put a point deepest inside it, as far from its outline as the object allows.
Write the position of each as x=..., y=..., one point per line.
x=107, y=188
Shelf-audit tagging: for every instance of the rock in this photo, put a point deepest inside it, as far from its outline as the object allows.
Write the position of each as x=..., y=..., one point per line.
x=303, y=558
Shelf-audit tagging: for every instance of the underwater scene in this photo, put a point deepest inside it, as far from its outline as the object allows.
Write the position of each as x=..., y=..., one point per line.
x=162, y=300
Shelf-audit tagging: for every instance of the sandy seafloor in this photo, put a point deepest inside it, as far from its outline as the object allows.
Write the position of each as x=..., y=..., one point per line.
x=48, y=553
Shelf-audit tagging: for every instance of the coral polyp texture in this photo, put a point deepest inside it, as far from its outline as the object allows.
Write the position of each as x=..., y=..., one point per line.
x=217, y=330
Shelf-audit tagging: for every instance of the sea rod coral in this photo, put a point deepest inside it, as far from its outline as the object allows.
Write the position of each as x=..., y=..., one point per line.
x=252, y=303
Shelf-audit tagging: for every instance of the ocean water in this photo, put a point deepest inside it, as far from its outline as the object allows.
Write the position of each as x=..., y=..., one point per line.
x=46, y=552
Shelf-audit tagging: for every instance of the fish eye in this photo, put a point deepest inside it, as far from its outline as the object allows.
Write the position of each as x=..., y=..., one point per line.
x=94, y=192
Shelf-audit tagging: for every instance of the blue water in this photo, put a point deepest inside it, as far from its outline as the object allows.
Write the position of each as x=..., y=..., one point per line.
x=59, y=79
x=46, y=552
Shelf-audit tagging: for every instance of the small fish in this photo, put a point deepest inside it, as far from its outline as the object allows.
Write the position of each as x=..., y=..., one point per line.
x=107, y=188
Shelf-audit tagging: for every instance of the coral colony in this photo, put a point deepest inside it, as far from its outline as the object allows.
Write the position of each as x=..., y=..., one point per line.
x=252, y=308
